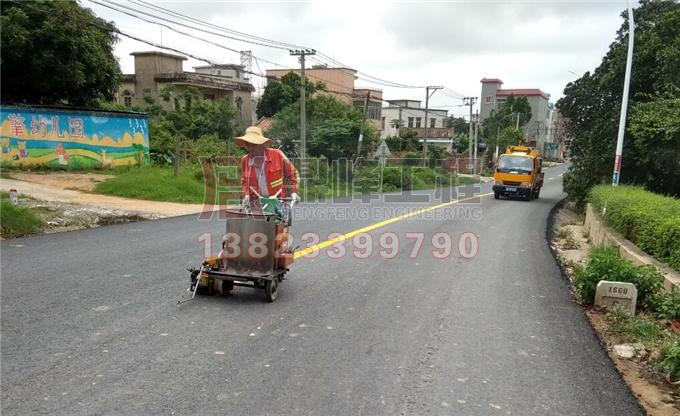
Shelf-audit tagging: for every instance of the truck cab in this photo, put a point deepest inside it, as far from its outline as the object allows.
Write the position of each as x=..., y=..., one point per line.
x=518, y=173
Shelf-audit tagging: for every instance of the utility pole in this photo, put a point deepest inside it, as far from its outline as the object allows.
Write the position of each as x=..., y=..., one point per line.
x=427, y=121
x=399, y=126
x=471, y=102
x=363, y=121
x=474, y=160
x=303, y=112
x=624, y=99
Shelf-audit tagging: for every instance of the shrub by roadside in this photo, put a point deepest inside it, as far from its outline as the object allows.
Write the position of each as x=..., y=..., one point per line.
x=649, y=220
x=606, y=263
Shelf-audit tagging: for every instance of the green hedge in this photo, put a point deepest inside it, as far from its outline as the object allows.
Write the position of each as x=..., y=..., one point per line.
x=650, y=221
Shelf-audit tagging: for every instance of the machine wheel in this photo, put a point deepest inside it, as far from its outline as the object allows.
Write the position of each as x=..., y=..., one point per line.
x=497, y=195
x=226, y=287
x=271, y=289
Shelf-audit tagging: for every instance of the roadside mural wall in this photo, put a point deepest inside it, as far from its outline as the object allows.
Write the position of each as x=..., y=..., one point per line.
x=76, y=139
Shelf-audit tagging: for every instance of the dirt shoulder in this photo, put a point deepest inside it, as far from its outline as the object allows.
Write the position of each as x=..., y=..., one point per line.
x=571, y=248
x=70, y=188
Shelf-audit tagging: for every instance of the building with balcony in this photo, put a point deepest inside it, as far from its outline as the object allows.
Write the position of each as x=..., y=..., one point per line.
x=155, y=70
x=410, y=115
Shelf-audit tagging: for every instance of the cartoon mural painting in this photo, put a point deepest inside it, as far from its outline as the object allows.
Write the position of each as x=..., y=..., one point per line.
x=47, y=137
x=5, y=149
x=106, y=163
x=23, y=153
x=61, y=154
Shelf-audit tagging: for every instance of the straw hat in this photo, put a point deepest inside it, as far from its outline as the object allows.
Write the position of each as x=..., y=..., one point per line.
x=253, y=135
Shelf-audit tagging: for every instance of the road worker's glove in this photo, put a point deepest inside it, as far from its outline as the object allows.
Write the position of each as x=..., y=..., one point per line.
x=295, y=197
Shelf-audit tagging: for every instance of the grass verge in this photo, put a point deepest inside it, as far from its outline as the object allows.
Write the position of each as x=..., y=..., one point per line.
x=17, y=221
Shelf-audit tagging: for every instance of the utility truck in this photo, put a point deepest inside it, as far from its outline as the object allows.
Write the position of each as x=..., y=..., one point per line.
x=518, y=173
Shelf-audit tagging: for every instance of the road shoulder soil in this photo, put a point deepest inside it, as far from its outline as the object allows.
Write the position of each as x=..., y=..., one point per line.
x=654, y=393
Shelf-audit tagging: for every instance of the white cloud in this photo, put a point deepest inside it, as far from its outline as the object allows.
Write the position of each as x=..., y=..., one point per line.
x=528, y=44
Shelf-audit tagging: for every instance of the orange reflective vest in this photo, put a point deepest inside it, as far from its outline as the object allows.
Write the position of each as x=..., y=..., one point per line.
x=277, y=168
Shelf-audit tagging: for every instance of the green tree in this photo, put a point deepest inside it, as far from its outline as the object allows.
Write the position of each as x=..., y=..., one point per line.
x=397, y=124
x=333, y=129
x=458, y=124
x=509, y=136
x=655, y=127
x=506, y=116
x=56, y=52
x=278, y=94
x=195, y=117
x=592, y=105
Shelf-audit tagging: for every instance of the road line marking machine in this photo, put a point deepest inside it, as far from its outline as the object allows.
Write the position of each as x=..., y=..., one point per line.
x=254, y=254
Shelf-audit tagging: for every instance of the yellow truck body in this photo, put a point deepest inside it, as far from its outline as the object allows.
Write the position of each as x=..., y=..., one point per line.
x=518, y=172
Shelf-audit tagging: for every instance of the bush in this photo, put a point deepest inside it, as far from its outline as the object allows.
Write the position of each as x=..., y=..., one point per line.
x=669, y=305
x=671, y=359
x=607, y=264
x=649, y=220
x=17, y=221
x=412, y=159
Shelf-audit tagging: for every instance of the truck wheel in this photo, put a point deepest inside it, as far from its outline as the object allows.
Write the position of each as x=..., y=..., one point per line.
x=271, y=289
x=497, y=195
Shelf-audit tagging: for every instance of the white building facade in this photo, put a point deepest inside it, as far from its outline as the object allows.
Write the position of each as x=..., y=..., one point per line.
x=412, y=115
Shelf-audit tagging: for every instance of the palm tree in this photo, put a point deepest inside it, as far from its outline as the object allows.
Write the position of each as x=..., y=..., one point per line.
x=397, y=124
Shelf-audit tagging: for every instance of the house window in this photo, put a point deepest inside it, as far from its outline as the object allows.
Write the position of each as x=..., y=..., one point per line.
x=432, y=121
x=210, y=97
x=239, y=104
x=383, y=123
x=488, y=99
x=219, y=72
x=418, y=120
x=374, y=110
x=410, y=122
x=127, y=98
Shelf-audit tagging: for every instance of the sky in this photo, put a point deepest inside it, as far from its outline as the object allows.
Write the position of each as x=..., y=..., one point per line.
x=527, y=44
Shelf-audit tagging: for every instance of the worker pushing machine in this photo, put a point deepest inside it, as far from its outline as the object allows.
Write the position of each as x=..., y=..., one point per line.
x=265, y=171
x=255, y=252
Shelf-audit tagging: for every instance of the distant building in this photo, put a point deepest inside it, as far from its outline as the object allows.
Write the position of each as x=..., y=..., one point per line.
x=340, y=84
x=374, y=112
x=537, y=130
x=412, y=115
x=154, y=70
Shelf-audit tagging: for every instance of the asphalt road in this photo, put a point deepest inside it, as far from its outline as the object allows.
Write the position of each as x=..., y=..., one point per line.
x=90, y=324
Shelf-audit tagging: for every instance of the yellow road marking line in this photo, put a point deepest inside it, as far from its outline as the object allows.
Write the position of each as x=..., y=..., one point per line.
x=343, y=237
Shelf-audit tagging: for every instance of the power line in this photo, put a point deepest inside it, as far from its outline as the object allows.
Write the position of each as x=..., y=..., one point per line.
x=177, y=23
x=222, y=28
x=250, y=38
